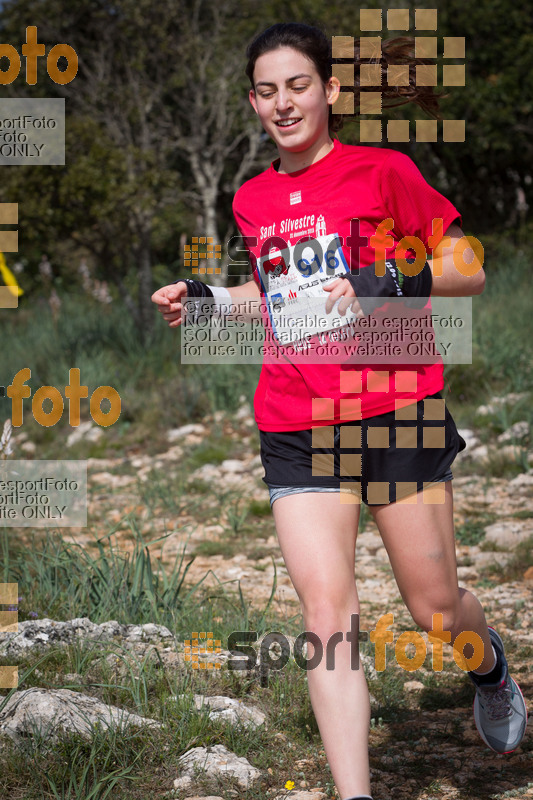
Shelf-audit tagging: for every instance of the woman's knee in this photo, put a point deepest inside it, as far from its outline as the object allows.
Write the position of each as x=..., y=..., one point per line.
x=331, y=616
x=442, y=614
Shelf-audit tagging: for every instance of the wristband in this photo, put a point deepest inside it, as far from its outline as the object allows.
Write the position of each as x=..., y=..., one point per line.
x=211, y=300
x=372, y=290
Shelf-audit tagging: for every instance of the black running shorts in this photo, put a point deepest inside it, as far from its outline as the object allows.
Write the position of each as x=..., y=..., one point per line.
x=382, y=459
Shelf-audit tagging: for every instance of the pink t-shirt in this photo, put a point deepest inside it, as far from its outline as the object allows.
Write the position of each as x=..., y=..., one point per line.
x=368, y=184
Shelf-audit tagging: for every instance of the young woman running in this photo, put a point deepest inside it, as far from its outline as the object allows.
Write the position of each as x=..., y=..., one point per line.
x=337, y=432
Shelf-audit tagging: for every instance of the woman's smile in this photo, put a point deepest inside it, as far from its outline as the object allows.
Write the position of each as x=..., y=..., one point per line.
x=292, y=103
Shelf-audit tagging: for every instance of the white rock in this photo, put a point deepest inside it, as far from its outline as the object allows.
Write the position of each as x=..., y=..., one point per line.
x=467, y=574
x=217, y=761
x=233, y=465
x=492, y=558
x=46, y=632
x=207, y=473
x=480, y=453
x=140, y=461
x=524, y=480
x=369, y=666
x=28, y=447
x=512, y=452
x=179, y=433
x=87, y=431
x=297, y=795
x=229, y=708
x=497, y=403
x=182, y=784
x=56, y=710
x=244, y=412
x=370, y=541
x=413, y=686
x=516, y=433
x=112, y=481
x=209, y=797
x=174, y=454
x=509, y=534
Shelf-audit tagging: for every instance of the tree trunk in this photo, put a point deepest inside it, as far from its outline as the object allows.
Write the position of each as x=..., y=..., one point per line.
x=145, y=307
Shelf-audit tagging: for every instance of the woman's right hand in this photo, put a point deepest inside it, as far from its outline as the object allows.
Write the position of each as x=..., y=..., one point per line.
x=169, y=302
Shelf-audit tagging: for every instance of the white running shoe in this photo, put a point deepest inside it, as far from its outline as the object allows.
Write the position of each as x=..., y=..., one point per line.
x=500, y=712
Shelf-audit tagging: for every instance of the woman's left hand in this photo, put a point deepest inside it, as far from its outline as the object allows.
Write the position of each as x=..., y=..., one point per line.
x=342, y=288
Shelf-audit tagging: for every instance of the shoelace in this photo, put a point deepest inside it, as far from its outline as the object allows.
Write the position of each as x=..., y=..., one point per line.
x=497, y=702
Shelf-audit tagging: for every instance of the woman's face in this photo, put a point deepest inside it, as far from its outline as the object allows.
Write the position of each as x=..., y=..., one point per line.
x=291, y=100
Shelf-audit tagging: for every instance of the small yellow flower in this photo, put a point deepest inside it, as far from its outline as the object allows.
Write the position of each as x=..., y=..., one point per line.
x=289, y=785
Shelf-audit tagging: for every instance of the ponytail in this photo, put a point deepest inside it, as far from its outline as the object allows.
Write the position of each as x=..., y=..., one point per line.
x=315, y=44
x=398, y=51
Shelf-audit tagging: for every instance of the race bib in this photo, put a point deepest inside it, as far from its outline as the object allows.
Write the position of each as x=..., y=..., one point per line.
x=293, y=278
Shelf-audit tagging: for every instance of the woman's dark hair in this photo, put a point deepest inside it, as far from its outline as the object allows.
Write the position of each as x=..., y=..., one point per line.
x=313, y=43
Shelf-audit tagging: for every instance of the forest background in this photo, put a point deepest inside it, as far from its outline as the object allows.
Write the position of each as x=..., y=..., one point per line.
x=159, y=136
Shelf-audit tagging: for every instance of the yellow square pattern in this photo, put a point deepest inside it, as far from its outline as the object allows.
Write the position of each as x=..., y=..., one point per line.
x=453, y=75
x=351, y=436
x=322, y=464
x=342, y=46
x=323, y=436
x=398, y=130
x=398, y=75
x=398, y=19
x=406, y=412
x=454, y=47
x=370, y=75
x=433, y=437
x=9, y=213
x=9, y=594
x=434, y=493
x=9, y=677
x=378, y=492
x=370, y=102
x=406, y=437
x=351, y=381
x=425, y=19
x=453, y=130
x=345, y=73
x=344, y=104
x=9, y=297
x=370, y=19
x=9, y=241
x=350, y=464
x=434, y=408
x=350, y=493
x=426, y=130
x=406, y=492
x=426, y=74
x=377, y=437
x=9, y=621
x=377, y=381
x=350, y=408
x=406, y=381
x=370, y=130
x=426, y=47
x=322, y=408
x=370, y=47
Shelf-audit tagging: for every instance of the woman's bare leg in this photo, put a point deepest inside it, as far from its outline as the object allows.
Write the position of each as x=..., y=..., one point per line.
x=317, y=535
x=419, y=539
